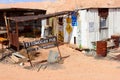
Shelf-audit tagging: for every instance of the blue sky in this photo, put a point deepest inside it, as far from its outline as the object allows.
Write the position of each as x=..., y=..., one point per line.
x=14, y=1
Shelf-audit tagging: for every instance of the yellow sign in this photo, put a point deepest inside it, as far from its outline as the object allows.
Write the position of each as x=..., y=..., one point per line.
x=68, y=20
x=68, y=28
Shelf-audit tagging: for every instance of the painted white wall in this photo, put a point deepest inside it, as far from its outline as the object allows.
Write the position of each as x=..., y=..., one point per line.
x=84, y=28
x=78, y=38
x=111, y=22
x=85, y=33
x=43, y=28
x=73, y=34
x=117, y=21
x=93, y=26
x=114, y=22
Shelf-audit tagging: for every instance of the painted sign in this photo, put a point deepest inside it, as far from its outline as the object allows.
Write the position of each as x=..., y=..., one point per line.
x=68, y=27
x=74, y=19
x=68, y=20
x=44, y=43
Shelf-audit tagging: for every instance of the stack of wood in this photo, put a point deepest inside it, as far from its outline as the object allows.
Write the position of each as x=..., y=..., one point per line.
x=110, y=43
x=116, y=40
x=17, y=57
x=22, y=56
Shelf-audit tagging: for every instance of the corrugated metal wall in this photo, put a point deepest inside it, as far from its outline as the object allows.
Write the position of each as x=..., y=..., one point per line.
x=89, y=27
x=43, y=28
x=90, y=24
x=84, y=28
x=93, y=26
x=114, y=21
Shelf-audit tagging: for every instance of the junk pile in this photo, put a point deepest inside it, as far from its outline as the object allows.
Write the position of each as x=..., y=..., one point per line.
x=30, y=51
x=10, y=56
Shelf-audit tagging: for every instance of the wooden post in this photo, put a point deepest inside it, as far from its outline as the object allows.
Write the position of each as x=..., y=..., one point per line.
x=58, y=48
x=17, y=35
x=6, y=24
x=8, y=32
x=29, y=58
x=28, y=55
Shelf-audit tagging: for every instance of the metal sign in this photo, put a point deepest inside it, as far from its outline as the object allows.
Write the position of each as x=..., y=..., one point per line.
x=69, y=28
x=74, y=19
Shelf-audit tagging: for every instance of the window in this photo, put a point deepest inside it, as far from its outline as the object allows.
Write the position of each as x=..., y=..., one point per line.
x=102, y=22
x=103, y=13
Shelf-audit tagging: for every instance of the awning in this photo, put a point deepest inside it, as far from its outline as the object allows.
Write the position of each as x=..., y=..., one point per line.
x=35, y=17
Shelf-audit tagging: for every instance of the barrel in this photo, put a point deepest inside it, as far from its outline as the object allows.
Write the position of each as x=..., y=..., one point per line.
x=101, y=48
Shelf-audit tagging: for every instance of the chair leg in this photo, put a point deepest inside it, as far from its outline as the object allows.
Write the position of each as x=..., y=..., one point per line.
x=45, y=66
x=39, y=68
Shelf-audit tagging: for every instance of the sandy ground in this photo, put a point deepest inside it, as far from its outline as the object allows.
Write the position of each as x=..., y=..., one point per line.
x=75, y=67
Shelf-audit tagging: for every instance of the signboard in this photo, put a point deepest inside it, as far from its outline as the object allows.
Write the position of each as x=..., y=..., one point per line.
x=68, y=27
x=43, y=43
x=74, y=19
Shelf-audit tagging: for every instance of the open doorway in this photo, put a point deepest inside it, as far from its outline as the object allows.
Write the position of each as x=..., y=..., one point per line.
x=60, y=29
x=103, y=21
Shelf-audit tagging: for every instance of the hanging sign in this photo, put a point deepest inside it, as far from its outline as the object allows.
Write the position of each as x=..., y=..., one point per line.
x=74, y=19
x=68, y=20
x=68, y=27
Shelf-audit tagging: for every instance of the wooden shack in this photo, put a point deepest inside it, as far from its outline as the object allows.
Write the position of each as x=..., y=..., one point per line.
x=15, y=41
x=12, y=32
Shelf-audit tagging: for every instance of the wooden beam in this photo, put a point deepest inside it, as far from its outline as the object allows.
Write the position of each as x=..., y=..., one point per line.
x=17, y=44
x=6, y=24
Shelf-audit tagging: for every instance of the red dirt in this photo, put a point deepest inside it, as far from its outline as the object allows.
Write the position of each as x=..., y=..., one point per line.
x=76, y=67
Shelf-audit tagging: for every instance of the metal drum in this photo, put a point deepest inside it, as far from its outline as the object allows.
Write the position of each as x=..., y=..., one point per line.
x=101, y=48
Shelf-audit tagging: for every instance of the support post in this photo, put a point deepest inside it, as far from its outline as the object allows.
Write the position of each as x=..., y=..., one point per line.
x=17, y=35
x=6, y=24
x=28, y=55
x=58, y=48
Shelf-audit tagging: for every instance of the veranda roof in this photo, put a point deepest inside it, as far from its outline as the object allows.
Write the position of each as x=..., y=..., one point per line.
x=35, y=17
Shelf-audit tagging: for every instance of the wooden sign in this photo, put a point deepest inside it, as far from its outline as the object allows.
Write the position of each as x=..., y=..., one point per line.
x=44, y=43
